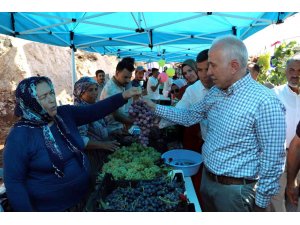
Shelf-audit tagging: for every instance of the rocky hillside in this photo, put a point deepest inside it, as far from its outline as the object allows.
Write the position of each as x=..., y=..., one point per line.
x=20, y=59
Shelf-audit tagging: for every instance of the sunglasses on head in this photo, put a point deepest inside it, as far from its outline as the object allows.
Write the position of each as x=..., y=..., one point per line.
x=175, y=91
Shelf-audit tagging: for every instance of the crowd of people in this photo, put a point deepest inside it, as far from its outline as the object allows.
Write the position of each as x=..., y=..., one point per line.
x=248, y=134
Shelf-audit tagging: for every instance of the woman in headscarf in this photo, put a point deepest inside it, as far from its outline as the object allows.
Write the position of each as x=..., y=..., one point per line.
x=189, y=71
x=45, y=167
x=95, y=135
x=190, y=136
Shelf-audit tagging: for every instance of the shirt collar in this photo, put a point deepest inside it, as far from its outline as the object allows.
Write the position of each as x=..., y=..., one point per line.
x=290, y=89
x=237, y=85
x=117, y=82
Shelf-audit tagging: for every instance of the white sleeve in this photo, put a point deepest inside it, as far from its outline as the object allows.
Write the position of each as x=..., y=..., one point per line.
x=108, y=90
x=185, y=101
x=153, y=82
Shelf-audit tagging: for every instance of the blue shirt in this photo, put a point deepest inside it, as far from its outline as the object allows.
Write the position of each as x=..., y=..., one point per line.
x=246, y=133
x=30, y=182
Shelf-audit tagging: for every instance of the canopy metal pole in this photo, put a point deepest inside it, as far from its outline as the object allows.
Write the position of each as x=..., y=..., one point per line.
x=7, y=29
x=177, y=21
x=107, y=25
x=243, y=17
x=45, y=27
x=73, y=67
x=47, y=30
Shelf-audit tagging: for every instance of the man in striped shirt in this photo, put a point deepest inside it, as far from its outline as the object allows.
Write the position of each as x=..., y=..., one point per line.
x=244, y=151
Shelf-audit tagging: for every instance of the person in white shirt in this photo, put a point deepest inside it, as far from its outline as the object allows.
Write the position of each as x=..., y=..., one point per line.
x=153, y=84
x=167, y=87
x=120, y=82
x=196, y=92
x=290, y=97
x=100, y=78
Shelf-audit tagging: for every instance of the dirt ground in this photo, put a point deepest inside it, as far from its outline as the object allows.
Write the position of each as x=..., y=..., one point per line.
x=5, y=125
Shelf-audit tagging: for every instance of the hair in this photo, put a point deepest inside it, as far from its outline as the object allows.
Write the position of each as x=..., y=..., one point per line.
x=191, y=63
x=294, y=58
x=154, y=70
x=202, y=56
x=126, y=63
x=256, y=68
x=99, y=71
x=234, y=48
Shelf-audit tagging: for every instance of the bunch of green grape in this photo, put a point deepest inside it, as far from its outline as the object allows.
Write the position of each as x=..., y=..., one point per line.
x=134, y=162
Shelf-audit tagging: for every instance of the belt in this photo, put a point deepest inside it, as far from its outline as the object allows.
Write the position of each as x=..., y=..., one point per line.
x=228, y=180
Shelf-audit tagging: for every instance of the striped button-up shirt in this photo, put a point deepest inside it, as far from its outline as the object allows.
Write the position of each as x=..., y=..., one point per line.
x=246, y=133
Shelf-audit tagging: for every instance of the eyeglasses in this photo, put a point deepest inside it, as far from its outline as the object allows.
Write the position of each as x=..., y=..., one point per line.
x=175, y=91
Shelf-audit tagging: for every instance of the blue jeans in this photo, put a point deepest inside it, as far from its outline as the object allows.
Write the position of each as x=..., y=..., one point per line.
x=219, y=197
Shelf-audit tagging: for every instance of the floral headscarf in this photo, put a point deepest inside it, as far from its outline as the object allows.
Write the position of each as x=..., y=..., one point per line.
x=33, y=115
x=98, y=127
x=81, y=86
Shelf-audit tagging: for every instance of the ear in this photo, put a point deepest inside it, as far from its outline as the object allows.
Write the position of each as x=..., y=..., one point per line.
x=235, y=66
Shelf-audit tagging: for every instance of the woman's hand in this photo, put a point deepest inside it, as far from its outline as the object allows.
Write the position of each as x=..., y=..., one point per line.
x=110, y=145
x=292, y=192
x=134, y=91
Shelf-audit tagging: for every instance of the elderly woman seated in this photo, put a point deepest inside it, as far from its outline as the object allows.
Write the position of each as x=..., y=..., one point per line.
x=95, y=135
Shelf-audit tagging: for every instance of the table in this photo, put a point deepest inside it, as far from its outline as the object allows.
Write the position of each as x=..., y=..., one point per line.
x=191, y=194
x=190, y=191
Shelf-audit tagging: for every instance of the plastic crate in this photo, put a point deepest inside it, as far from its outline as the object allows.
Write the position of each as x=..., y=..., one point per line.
x=108, y=185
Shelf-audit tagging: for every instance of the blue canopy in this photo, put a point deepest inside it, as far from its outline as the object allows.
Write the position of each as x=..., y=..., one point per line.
x=146, y=36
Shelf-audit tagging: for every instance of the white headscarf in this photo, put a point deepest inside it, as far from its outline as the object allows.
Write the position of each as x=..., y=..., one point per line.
x=179, y=83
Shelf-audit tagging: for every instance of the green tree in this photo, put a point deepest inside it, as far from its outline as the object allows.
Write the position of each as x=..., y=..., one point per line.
x=276, y=75
x=264, y=63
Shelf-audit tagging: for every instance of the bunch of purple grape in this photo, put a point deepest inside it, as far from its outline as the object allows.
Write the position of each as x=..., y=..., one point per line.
x=143, y=117
x=159, y=195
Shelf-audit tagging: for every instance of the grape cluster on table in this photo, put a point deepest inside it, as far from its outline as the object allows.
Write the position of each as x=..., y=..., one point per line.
x=160, y=195
x=143, y=117
x=134, y=162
